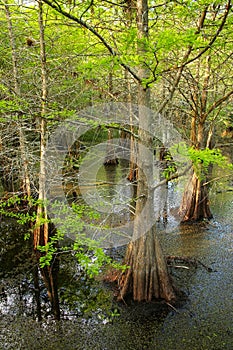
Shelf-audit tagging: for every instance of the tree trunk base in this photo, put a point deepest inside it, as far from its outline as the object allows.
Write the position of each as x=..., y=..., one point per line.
x=147, y=277
x=195, y=202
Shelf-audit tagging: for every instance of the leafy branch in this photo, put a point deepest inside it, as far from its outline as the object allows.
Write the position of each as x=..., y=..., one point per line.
x=59, y=9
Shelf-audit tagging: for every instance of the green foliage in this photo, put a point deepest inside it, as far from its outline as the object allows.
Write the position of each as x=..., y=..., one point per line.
x=49, y=250
x=9, y=107
x=129, y=40
x=93, y=262
x=88, y=252
x=92, y=257
x=169, y=170
x=11, y=208
x=203, y=158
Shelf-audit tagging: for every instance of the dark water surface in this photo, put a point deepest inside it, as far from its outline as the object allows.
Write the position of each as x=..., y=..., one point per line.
x=203, y=322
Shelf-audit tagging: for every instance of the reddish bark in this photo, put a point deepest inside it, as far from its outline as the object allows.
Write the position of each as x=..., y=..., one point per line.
x=195, y=202
x=147, y=278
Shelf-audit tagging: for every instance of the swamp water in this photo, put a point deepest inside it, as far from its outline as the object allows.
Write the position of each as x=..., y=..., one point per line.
x=203, y=322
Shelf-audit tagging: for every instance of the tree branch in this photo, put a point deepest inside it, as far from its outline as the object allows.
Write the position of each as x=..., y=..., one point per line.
x=208, y=46
x=173, y=177
x=88, y=7
x=177, y=80
x=186, y=61
x=219, y=102
x=57, y=7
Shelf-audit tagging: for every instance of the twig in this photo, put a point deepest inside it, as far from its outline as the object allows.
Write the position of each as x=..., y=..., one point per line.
x=181, y=267
x=171, y=306
x=173, y=177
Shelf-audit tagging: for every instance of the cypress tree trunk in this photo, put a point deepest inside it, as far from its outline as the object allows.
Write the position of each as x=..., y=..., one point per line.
x=147, y=277
x=195, y=202
x=132, y=176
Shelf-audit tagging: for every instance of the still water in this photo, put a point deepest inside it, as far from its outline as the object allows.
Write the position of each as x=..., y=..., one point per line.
x=204, y=321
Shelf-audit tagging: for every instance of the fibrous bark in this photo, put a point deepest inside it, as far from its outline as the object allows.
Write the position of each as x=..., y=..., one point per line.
x=147, y=278
x=42, y=229
x=195, y=202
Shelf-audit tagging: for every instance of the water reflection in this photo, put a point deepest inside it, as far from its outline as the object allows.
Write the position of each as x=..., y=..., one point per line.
x=204, y=322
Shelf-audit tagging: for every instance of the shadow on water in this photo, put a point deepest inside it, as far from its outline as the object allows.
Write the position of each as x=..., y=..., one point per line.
x=202, y=322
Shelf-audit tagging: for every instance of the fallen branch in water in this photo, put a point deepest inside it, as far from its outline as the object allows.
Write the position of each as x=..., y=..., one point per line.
x=172, y=307
x=181, y=267
x=172, y=260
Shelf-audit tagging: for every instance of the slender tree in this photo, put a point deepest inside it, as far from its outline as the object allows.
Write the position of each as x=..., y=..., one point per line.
x=206, y=98
x=42, y=228
x=26, y=188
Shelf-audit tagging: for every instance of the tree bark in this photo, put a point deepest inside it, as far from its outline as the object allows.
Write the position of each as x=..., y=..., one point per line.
x=132, y=176
x=43, y=229
x=195, y=202
x=26, y=188
x=147, y=277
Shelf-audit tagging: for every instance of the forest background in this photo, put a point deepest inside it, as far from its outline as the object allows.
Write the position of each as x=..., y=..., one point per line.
x=59, y=57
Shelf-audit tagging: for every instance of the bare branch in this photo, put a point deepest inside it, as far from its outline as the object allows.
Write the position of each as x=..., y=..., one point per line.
x=218, y=102
x=177, y=80
x=173, y=177
x=187, y=61
x=209, y=45
x=90, y=5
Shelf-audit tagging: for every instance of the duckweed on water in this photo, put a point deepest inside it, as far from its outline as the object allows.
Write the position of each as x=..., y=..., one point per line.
x=203, y=322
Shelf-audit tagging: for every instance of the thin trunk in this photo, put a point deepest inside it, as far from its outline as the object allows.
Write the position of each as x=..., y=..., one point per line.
x=13, y=51
x=204, y=95
x=37, y=293
x=193, y=134
x=209, y=142
x=26, y=188
x=42, y=230
x=132, y=176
